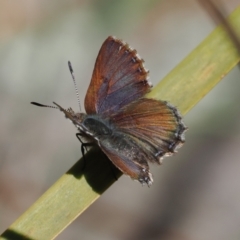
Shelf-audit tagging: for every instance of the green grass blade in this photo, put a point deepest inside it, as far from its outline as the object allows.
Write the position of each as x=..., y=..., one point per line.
x=201, y=70
x=76, y=190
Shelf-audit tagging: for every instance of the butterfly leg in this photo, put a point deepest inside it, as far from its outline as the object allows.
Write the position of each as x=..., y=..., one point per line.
x=83, y=147
x=79, y=135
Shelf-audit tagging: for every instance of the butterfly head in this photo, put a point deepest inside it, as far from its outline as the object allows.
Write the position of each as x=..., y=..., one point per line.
x=75, y=118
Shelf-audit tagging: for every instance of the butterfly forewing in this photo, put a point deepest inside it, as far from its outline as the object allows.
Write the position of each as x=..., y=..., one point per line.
x=119, y=78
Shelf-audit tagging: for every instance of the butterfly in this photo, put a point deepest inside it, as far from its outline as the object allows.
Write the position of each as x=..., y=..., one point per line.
x=130, y=129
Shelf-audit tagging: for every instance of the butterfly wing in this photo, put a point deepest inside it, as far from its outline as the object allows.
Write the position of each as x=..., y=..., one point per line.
x=126, y=155
x=154, y=125
x=145, y=130
x=119, y=78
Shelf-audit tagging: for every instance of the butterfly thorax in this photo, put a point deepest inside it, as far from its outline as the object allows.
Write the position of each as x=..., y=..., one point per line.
x=94, y=126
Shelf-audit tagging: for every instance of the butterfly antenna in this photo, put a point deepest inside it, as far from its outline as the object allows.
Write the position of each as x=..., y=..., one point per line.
x=74, y=82
x=42, y=105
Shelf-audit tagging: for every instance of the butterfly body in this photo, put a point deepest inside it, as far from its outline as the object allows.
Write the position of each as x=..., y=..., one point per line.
x=130, y=129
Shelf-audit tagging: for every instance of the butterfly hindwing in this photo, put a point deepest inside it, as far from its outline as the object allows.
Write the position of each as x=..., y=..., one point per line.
x=126, y=155
x=119, y=78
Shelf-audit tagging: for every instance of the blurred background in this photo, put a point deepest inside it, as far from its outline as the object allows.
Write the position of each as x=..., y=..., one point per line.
x=196, y=193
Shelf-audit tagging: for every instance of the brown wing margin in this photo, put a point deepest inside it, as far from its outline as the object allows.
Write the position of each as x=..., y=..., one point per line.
x=119, y=77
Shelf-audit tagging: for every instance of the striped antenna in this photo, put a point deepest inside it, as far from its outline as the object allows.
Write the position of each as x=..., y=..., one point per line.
x=42, y=105
x=74, y=82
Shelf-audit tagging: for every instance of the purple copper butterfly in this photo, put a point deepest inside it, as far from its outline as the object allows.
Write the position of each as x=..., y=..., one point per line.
x=130, y=129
